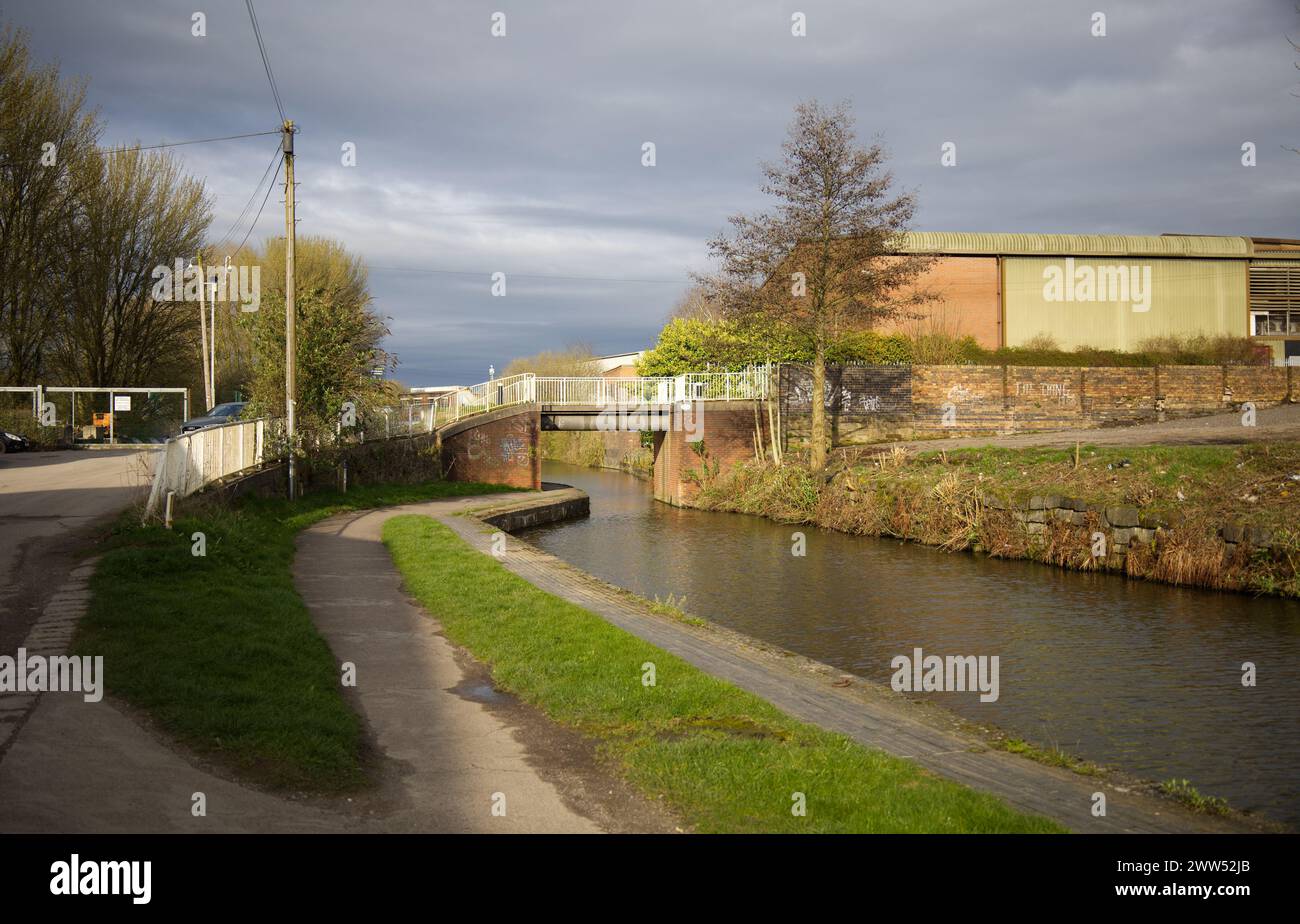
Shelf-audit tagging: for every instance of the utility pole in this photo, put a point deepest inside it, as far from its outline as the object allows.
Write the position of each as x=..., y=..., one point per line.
x=203, y=335
x=290, y=342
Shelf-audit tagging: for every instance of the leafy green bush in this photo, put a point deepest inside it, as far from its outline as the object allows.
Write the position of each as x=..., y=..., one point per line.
x=868, y=346
x=694, y=345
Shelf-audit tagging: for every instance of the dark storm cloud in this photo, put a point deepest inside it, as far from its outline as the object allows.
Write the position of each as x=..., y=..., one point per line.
x=522, y=154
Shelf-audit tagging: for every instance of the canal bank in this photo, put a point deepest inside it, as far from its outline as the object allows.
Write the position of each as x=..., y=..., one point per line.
x=1217, y=517
x=1141, y=677
x=819, y=694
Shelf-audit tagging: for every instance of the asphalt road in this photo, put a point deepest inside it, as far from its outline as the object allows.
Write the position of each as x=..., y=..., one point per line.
x=51, y=505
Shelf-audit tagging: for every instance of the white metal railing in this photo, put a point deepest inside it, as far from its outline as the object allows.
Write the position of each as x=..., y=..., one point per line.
x=747, y=384
x=598, y=390
x=195, y=460
x=404, y=419
x=484, y=397
x=32, y=390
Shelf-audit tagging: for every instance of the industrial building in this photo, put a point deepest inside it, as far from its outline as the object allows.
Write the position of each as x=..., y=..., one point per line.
x=1110, y=291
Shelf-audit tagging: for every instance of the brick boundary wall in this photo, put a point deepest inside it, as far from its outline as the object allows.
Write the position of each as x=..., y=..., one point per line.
x=865, y=403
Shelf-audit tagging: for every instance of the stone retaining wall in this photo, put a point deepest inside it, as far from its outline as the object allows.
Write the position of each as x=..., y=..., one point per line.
x=1121, y=526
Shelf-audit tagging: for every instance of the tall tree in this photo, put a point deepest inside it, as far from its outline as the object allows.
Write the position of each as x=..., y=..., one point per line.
x=825, y=260
x=339, y=335
x=138, y=212
x=44, y=134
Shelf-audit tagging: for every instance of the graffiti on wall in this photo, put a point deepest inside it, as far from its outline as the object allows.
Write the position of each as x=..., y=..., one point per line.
x=484, y=444
x=1046, y=392
x=852, y=392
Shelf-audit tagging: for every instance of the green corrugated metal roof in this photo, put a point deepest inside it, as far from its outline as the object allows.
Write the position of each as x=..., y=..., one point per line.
x=1168, y=245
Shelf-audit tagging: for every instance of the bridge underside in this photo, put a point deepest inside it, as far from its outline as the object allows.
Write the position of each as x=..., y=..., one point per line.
x=502, y=446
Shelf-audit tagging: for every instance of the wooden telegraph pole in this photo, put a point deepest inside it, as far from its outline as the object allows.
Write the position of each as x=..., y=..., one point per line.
x=290, y=342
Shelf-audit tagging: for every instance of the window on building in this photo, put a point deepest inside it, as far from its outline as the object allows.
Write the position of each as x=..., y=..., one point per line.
x=1274, y=323
x=1274, y=299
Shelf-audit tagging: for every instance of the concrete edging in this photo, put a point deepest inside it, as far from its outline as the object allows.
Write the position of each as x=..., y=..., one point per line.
x=551, y=506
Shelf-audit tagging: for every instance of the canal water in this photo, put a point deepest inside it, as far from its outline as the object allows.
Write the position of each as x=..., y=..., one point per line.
x=1142, y=677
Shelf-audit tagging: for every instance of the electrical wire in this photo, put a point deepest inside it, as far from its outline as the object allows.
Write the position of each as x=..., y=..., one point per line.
x=176, y=144
x=263, y=205
x=275, y=158
x=266, y=61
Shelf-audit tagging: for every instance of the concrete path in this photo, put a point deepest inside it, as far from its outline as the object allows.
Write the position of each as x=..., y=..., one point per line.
x=444, y=742
x=435, y=715
x=67, y=765
x=71, y=766
x=869, y=714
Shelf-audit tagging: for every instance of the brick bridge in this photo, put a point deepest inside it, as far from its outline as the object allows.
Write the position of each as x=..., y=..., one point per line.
x=490, y=432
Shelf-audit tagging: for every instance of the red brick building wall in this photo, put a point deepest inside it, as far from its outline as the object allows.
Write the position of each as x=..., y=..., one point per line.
x=968, y=303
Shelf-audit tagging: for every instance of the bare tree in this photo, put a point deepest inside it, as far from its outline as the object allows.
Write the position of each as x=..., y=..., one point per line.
x=138, y=211
x=695, y=305
x=575, y=359
x=43, y=135
x=825, y=260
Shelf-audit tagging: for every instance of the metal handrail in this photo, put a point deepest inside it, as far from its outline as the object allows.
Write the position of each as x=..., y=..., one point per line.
x=556, y=390
x=192, y=461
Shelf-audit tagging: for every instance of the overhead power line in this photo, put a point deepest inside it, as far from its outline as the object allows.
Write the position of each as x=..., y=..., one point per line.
x=274, y=162
x=176, y=144
x=266, y=61
x=262, y=206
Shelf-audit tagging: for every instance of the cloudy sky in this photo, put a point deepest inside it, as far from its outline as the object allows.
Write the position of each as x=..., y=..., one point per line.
x=522, y=154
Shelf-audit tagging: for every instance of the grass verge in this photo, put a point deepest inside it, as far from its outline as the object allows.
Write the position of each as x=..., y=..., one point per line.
x=728, y=761
x=219, y=650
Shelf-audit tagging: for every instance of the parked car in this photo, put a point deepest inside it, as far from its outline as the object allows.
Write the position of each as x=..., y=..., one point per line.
x=12, y=442
x=221, y=414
